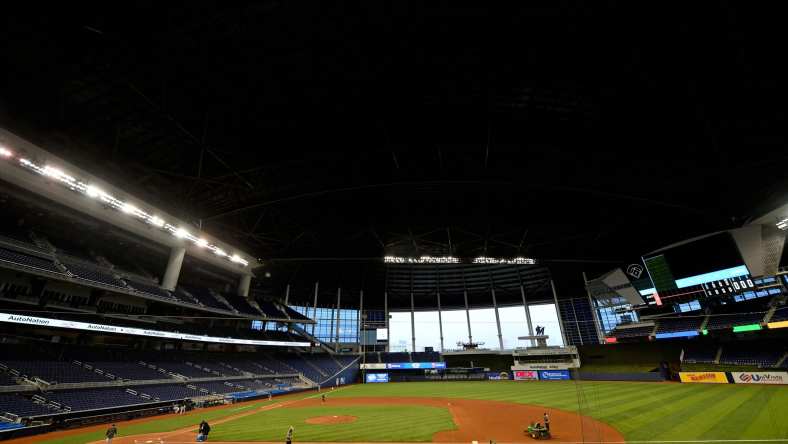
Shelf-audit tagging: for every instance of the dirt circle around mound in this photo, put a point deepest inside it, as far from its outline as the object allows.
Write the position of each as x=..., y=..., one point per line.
x=331, y=419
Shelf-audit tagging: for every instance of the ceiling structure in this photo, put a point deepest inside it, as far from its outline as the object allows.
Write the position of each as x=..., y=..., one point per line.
x=581, y=134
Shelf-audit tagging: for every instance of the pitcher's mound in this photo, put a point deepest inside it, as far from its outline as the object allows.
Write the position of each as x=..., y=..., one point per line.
x=342, y=419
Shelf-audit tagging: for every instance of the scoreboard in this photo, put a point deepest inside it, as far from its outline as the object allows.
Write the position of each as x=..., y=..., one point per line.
x=728, y=287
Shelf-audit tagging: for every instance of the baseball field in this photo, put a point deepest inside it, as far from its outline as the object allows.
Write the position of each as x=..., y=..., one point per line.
x=480, y=411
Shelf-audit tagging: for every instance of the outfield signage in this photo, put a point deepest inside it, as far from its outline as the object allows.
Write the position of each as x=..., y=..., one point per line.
x=86, y=326
x=553, y=375
x=779, y=324
x=374, y=378
x=677, y=334
x=704, y=377
x=373, y=366
x=414, y=365
x=522, y=366
x=760, y=377
x=525, y=375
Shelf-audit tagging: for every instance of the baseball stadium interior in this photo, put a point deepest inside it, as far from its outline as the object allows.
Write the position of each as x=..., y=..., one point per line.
x=207, y=204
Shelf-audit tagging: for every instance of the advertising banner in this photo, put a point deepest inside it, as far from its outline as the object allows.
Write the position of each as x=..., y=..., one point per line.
x=85, y=326
x=525, y=375
x=373, y=366
x=704, y=377
x=373, y=378
x=553, y=375
x=415, y=365
x=522, y=366
x=760, y=377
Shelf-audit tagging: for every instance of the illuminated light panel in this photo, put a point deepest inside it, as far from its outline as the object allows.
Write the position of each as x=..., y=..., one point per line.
x=705, y=332
x=718, y=275
x=780, y=324
x=94, y=192
x=611, y=340
x=783, y=224
x=156, y=221
x=497, y=260
x=748, y=327
x=421, y=260
x=677, y=334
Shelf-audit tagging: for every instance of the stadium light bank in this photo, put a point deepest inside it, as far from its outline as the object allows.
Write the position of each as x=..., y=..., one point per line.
x=62, y=177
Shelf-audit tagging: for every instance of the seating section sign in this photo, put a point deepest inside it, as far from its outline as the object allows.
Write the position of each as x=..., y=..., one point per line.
x=704, y=377
x=760, y=377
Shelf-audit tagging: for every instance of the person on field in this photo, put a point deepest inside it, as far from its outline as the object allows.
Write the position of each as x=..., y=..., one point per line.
x=111, y=432
x=203, y=431
x=323, y=397
x=546, y=421
x=289, y=437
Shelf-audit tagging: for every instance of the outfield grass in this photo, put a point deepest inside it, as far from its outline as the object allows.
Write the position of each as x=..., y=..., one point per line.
x=374, y=423
x=640, y=411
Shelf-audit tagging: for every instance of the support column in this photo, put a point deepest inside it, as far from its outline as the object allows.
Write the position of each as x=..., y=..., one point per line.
x=577, y=323
x=360, y=338
x=388, y=321
x=558, y=313
x=497, y=319
x=314, y=309
x=287, y=295
x=243, y=285
x=597, y=325
x=173, y=270
x=412, y=325
x=440, y=320
x=467, y=316
x=339, y=296
x=527, y=315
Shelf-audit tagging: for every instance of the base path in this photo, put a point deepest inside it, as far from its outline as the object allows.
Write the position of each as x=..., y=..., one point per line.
x=476, y=420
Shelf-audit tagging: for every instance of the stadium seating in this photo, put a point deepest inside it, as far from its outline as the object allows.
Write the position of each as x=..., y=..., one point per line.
x=271, y=310
x=7, y=378
x=167, y=392
x=720, y=322
x=373, y=357
x=632, y=332
x=679, y=324
x=5, y=425
x=22, y=406
x=94, y=274
x=92, y=399
x=150, y=289
x=204, y=296
x=747, y=354
x=700, y=354
x=54, y=371
x=294, y=314
x=241, y=305
x=425, y=356
x=395, y=357
x=30, y=261
x=779, y=315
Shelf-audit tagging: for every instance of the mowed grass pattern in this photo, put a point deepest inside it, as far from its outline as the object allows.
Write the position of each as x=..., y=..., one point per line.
x=374, y=423
x=640, y=411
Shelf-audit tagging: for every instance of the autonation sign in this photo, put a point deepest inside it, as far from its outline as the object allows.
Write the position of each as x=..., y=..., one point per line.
x=73, y=325
x=760, y=377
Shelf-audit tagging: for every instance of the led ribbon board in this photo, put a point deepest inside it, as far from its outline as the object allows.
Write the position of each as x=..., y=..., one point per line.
x=85, y=326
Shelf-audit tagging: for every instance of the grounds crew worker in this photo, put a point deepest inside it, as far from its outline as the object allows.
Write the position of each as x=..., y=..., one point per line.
x=289, y=437
x=111, y=432
x=546, y=421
